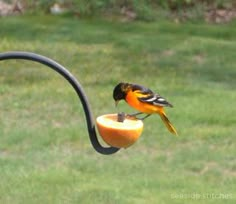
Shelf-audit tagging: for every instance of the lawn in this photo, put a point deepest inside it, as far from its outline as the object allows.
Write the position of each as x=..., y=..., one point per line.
x=45, y=153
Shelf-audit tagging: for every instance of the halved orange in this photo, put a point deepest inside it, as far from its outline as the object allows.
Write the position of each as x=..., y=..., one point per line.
x=119, y=134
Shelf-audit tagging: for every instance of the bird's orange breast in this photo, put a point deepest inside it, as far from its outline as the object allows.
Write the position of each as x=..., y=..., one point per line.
x=132, y=99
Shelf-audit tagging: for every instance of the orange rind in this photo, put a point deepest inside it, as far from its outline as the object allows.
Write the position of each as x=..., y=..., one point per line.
x=119, y=134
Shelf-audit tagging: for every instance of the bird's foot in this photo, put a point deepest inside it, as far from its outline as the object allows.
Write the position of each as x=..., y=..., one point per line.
x=135, y=114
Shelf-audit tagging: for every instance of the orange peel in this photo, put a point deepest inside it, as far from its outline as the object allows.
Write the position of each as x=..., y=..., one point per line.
x=119, y=134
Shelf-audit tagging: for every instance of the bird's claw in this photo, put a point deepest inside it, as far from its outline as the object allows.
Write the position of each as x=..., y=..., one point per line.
x=133, y=116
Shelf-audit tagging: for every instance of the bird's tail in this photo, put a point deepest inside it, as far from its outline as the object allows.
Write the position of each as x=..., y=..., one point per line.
x=168, y=123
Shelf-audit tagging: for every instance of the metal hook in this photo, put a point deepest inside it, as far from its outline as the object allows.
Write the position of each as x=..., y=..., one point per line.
x=74, y=83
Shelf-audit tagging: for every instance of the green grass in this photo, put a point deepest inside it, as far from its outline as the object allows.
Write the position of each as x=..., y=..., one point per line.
x=45, y=153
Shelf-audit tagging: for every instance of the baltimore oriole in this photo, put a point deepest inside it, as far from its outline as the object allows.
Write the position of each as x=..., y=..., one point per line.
x=143, y=100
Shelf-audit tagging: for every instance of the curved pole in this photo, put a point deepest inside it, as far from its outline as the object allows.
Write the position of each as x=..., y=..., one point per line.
x=75, y=84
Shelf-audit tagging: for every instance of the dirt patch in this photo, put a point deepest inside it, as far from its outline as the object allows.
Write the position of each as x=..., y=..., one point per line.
x=7, y=9
x=220, y=15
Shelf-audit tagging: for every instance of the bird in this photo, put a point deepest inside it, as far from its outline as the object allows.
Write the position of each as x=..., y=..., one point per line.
x=144, y=100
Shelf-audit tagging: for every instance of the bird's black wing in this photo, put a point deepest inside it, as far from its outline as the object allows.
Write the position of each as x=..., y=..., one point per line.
x=148, y=96
x=156, y=100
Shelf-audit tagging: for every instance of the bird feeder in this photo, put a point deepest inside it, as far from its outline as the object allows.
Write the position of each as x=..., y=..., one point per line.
x=117, y=134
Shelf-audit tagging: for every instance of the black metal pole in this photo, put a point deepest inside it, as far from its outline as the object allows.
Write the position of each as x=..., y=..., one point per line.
x=74, y=83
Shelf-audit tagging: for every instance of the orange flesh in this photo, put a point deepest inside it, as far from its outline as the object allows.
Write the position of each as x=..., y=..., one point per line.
x=119, y=134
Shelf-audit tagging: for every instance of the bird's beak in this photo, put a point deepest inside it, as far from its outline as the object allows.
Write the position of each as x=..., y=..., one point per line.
x=116, y=102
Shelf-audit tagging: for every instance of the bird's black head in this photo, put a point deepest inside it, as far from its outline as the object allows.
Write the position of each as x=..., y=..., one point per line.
x=120, y=91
